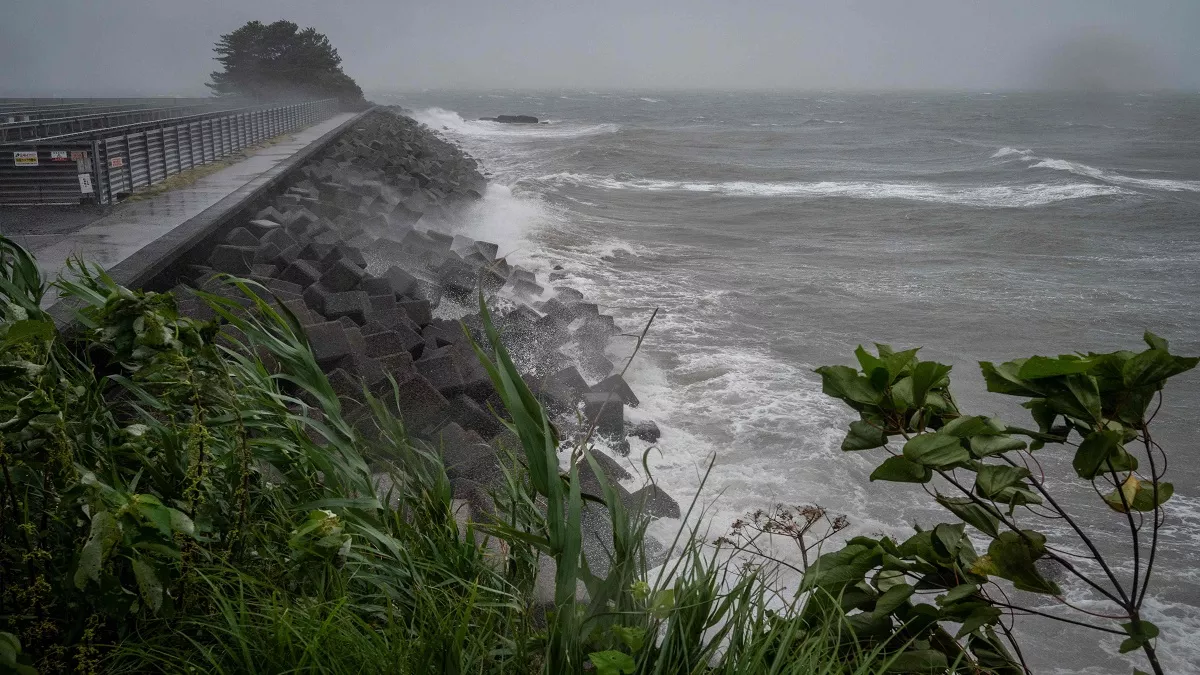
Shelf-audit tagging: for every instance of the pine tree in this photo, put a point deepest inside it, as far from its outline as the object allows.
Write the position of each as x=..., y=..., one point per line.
x=280, y=61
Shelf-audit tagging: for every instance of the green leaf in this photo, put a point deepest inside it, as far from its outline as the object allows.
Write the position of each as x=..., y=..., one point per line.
x=838, y=569
x=983, y=615
x=1139, y=495
x=992, y=479
x=960, y=592
x=1038, y=367
x=1100, y=447
x=181, y=523
x=899, y=363
x=918, y=661
x=891, y=599
x=105, y=533
x=612, y=663
x=1003, y=379
x=986, y=520
x=1139, y=633
x=936, y=450
x=986, y=446
x=10, y=649
x=662, y=603
x=148, y=584
x=631, y=637
x=1086, y=392
x=864, y=436
x=968, y=426
x=874, y=368
x=1012, y=557
x=28, y=329
x=900, y=470
x=1154, y=341
x=926, y=375
x=843, y=382
x=1153, y=366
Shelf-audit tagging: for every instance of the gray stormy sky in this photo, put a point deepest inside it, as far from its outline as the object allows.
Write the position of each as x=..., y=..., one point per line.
x=122, y=47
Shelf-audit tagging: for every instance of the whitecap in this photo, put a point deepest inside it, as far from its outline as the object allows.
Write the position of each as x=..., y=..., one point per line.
x=1006, y=151
x=1080, y=169
x=996, y=196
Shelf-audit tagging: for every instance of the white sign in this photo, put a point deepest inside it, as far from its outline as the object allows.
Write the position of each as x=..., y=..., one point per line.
x=58, y=156
x=25, y=157
x=85, y=183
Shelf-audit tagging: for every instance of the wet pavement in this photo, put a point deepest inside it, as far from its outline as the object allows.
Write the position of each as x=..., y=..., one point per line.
x=55, y=234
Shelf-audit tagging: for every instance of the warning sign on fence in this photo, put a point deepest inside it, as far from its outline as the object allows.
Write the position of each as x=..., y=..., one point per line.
x=25, y=157
x=116, y=162
x=79, y=155
x=59, y=156
x=85, y=183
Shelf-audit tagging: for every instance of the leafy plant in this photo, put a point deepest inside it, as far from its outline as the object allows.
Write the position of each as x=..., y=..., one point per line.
x=986, y=474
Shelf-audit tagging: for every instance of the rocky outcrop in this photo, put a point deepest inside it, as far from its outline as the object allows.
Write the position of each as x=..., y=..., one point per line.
x=347, y=248
x=511, y=119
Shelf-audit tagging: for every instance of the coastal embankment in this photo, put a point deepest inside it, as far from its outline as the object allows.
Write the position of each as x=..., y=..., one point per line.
x=356, y=243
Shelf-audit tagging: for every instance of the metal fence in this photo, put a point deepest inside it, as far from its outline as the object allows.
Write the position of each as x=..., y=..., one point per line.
x=106, y=165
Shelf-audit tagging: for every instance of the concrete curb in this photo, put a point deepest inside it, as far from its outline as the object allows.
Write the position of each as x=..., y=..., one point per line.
x=154, y=258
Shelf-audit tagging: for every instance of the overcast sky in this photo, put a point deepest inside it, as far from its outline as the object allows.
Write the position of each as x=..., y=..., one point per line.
x=124, y=47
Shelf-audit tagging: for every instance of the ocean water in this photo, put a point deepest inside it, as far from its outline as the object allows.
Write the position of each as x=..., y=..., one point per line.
x=775, y=232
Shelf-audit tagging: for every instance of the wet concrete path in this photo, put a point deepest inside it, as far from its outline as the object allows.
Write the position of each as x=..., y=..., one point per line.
x=121, y=231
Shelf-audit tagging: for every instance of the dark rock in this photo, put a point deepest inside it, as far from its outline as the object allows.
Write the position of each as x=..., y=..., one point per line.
x=302, y=273
x=606, y=412
x=376, y=286
x=240, y=236
x=232, y=259
x=468, y=413
x=328, y=341
x=647, y=431
x=617, y=385
x=353, y=304
x=654, y=502
x=402, y=282
x=418, y=310
x=421, y=405
x=511, y=119
x=438, y=367
x=342, y=275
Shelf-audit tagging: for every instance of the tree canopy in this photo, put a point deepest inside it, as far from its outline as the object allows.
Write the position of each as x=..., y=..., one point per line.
x=278, y=60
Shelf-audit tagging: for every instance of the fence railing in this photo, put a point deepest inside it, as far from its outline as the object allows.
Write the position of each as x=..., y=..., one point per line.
x=109, y=164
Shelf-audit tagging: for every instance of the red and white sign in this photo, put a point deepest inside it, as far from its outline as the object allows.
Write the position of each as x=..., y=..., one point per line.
x=79, y=155
x=59, y=156
x=116, y=162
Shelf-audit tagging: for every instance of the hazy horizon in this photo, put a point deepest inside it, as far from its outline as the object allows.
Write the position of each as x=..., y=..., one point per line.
x=139, y=47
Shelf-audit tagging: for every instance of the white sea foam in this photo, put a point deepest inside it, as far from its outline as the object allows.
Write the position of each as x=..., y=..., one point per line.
x=1009, y=152
x=999, y=196
x=651, y=100
x=1120, y=179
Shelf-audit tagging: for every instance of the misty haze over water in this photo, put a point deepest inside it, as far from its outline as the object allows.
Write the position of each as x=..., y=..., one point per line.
x=139, y=47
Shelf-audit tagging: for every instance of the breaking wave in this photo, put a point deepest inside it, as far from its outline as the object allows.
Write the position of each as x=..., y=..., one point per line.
x=1116, y=178
x=997, y=196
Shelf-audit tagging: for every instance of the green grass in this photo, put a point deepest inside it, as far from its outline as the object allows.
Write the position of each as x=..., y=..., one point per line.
x=177, y=497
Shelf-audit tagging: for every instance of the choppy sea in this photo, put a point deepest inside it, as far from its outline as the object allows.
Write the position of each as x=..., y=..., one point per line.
x=776, y=231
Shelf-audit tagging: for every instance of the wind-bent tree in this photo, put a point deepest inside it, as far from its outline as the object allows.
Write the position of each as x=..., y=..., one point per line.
x=281, y=61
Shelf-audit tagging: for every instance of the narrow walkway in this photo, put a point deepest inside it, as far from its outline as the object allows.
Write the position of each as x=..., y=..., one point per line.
x=133, y=225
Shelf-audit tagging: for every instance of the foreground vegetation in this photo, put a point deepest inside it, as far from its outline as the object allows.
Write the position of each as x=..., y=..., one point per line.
x=178, y=495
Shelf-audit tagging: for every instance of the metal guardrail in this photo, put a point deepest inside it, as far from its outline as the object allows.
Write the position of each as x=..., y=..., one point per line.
x=89, y=120
x=106, y=165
